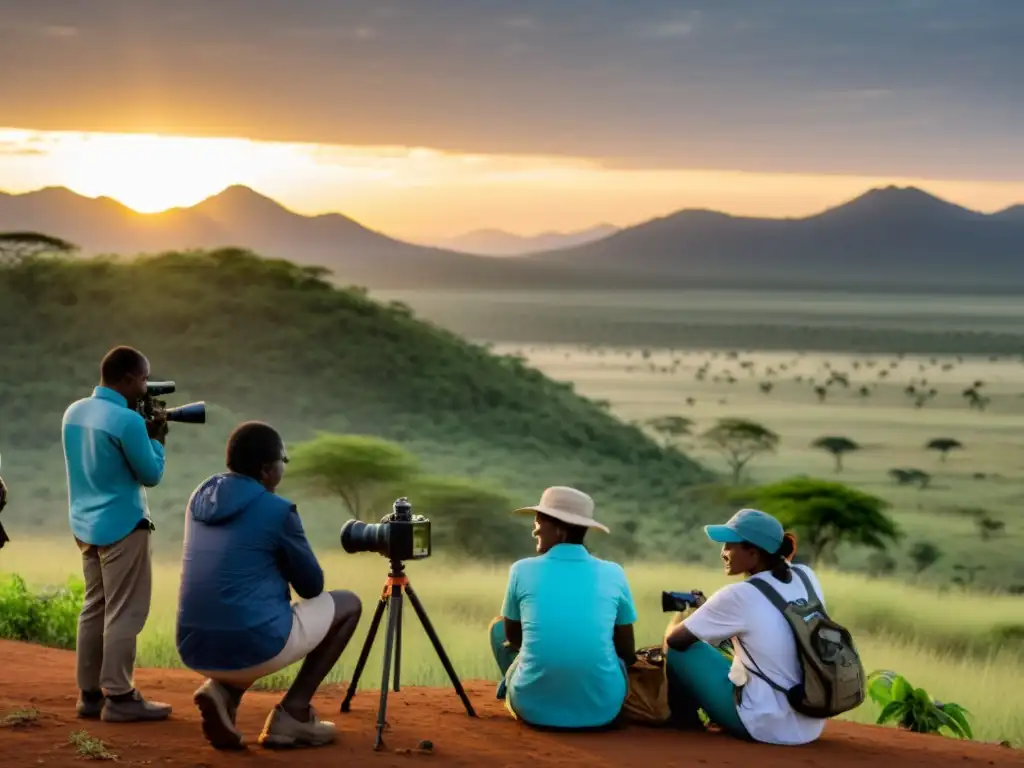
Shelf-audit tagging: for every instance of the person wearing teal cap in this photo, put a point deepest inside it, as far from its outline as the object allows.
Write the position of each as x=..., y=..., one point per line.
x=742, y=698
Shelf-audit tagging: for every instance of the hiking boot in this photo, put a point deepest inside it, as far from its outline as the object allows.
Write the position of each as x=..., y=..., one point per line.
x=282, y=730
x=218, y=709
x=89, y=705
x=134, y=709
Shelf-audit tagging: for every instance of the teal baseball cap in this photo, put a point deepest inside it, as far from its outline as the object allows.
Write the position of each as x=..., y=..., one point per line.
x=751, y=526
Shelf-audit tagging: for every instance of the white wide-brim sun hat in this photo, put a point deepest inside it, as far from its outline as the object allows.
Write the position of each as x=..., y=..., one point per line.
x=566, y=504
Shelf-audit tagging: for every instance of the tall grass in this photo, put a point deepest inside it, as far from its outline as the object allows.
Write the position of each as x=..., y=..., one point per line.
x=960, y=647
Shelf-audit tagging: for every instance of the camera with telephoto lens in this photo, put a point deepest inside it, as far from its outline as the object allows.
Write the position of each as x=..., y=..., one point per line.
x=149, y=406
x=398, y=536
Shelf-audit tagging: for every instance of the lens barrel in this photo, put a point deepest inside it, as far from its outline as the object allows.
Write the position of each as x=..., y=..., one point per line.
x=357, y=536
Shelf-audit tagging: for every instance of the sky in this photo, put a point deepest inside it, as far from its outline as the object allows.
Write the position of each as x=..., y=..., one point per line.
x=426, y=118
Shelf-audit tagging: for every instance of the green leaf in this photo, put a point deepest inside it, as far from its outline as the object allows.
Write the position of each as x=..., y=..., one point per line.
x=959, y=714
x=946, y=721
x=880, y=688
x=900, y=688
x=892, y=711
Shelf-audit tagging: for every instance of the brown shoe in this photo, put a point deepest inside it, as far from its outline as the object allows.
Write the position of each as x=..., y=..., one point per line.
x=283, y=731
x=218, y=709
x=134, y=710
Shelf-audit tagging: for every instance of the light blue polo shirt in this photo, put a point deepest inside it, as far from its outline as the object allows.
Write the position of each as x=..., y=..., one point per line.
x=110, y=460
x=568, y=601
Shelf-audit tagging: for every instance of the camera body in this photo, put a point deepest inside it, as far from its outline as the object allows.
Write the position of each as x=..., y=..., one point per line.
x=149, y=406
x=398, y=536
x=677, y=601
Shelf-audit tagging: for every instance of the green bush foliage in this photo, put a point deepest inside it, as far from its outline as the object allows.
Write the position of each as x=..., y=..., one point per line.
x=48, y=618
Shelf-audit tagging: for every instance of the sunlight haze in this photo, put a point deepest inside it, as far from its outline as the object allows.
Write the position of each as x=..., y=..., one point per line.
x=421, y=193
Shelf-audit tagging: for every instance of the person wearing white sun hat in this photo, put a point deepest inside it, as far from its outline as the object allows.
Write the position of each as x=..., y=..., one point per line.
x=565, y=634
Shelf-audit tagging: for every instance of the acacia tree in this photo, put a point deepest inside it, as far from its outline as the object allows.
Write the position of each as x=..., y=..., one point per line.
x=357, y=468
x=16, y=247
x=671, y=427
x=837, y=446
x=925, y=555
x=944, y=445
x=826, y=514
x=740, y=440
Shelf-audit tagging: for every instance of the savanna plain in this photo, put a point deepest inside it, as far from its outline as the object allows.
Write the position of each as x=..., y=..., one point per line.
x=941, y=606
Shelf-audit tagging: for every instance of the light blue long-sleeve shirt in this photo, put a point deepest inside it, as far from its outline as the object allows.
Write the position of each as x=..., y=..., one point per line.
x=110, y=461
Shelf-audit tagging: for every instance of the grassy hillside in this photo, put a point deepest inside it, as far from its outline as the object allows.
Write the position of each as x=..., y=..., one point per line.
x=267, y=339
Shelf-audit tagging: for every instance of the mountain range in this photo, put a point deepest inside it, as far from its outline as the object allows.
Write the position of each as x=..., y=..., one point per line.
x=497, y=242
x=892, y=238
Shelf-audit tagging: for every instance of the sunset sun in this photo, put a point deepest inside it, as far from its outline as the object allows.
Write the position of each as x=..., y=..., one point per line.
x=153, y=173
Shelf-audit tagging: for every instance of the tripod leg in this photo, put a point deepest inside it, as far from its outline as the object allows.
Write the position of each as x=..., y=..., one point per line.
x=396, y=603
x=365, y=653
x=389, y=640
x=429, y=628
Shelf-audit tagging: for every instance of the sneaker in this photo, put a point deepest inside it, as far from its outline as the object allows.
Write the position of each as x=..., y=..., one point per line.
x=282, y=730
x=218, y=710
x=134, y=710
x=89, y=705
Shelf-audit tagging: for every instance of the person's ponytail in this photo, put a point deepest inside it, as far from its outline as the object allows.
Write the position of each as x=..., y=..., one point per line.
x=783, y=556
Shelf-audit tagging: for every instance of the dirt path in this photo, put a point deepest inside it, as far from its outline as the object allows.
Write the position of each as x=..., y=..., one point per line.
x=33, y=677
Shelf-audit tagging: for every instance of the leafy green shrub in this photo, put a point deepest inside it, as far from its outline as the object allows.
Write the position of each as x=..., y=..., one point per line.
x=47, y=618
x=913, y=708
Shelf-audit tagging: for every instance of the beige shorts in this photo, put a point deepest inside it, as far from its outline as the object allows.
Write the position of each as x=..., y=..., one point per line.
x=311, y=621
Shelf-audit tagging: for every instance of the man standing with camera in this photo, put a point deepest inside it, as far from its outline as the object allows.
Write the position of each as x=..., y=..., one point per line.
x=112, y=454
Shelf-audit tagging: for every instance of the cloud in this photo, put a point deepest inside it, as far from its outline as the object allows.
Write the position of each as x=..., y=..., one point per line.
x=59, y=31
x=520, y=22
x=670, y=29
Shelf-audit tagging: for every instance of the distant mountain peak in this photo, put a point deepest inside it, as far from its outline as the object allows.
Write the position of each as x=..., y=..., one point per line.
x=895, y=202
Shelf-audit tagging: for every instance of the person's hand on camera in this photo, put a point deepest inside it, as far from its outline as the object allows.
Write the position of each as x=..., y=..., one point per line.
x=157, y=427
x=698, y=598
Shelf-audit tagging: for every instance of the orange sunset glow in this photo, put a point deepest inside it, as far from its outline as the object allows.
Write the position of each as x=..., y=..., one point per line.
x=421, y=193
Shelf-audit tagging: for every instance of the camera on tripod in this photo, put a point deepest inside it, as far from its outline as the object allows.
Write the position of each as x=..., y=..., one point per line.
x=399, y=536
x=149, y=406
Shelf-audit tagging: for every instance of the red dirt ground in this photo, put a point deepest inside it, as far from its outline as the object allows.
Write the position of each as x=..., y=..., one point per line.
x=43, y=679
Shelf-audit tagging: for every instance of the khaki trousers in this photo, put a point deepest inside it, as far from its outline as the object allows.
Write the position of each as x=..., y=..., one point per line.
x=118, y=588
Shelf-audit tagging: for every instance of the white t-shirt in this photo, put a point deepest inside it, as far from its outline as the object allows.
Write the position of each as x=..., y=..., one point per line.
x=740, y=610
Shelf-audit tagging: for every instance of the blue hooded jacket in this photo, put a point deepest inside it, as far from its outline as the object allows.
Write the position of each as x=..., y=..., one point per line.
x=243, y=547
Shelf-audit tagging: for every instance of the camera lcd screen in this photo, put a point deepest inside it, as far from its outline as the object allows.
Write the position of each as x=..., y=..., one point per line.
x=421, y=540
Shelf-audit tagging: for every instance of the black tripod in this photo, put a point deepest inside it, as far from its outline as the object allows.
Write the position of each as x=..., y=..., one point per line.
x=391, y=598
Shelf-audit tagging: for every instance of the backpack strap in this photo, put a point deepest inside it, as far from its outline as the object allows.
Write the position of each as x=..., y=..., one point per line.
x=811, y=592
x=776, y=599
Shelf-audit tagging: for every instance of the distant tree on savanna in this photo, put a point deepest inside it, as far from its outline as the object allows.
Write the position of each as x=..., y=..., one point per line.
x=974, y=397
x=966, y=574
x=821, y=392
x=766, y=387
x=988, y=526
x=944, y=445
x=359, y=469
x=826, y=515
x=740, y=441
x=838, y=446
x=881, y=564
x=910, y=476
x=671, y=428
x=22, y=246
x=924, y=554
x=32, y=260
